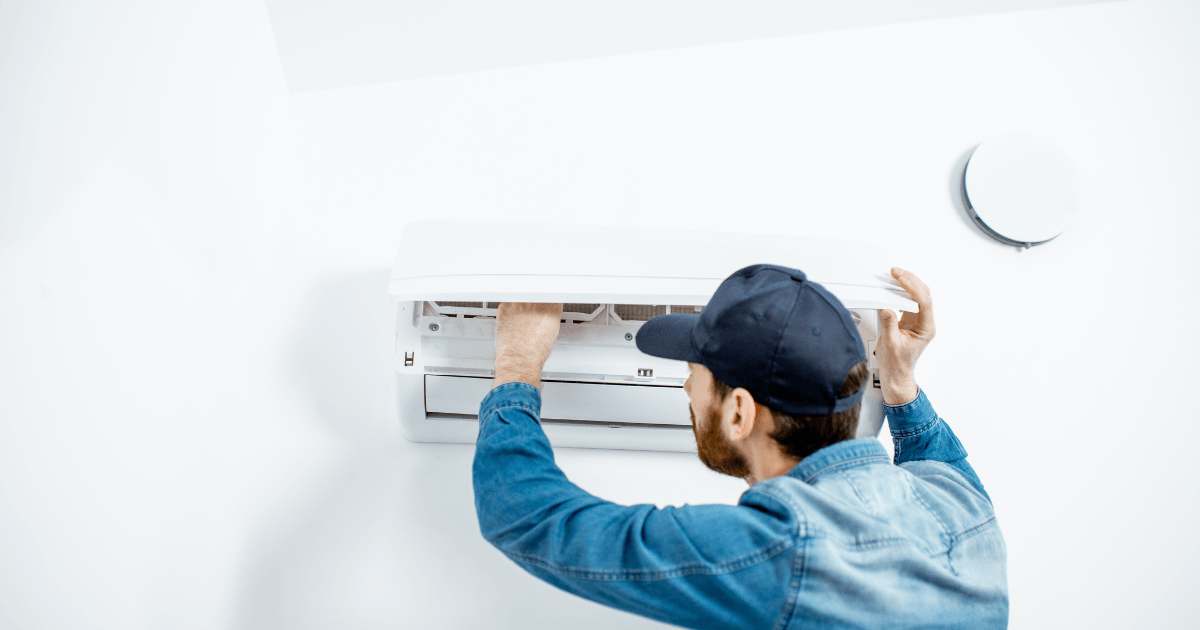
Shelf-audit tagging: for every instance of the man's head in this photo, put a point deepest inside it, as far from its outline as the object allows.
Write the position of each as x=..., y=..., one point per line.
x=780, y=366
x=737, y=436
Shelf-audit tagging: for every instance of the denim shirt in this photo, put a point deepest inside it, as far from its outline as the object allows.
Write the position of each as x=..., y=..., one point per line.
x=846, y=539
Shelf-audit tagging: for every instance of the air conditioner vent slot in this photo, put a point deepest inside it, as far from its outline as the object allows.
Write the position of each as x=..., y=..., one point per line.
x=597, y=403
x=569, y=308
x=646, y=312
x=581, y=423
x=572, y=313
x=638, y=312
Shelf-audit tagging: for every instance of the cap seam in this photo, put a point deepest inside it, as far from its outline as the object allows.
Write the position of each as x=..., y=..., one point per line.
x=779, y=341
x=848, y=330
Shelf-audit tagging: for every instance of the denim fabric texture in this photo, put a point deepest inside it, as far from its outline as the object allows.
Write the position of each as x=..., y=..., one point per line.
x=846, y=539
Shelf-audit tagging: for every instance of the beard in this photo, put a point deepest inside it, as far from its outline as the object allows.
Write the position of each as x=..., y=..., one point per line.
x=715, y=451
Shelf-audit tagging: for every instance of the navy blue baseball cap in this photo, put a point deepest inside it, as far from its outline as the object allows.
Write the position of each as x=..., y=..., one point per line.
x=769, y=329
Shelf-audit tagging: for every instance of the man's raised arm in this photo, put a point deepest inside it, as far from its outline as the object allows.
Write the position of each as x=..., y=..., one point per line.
x=918, y=433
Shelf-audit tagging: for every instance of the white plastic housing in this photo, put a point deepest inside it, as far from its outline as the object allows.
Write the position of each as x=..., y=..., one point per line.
x=1020, y=189
x=599, y=390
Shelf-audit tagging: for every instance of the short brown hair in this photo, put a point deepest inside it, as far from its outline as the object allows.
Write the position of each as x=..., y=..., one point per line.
x=801, y=436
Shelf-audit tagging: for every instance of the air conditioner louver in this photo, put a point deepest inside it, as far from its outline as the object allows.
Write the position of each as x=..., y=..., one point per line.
x=605, y=314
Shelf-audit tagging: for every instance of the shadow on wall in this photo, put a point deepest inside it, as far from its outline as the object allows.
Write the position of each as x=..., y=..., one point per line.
x=387, y=535
x=956, y=195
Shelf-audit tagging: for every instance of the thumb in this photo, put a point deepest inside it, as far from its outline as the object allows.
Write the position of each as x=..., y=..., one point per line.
x=889, y=322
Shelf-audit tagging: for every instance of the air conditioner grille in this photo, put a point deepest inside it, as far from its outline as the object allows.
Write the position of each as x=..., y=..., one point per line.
x=570, y=308
x=574, y=313
x=638, y=312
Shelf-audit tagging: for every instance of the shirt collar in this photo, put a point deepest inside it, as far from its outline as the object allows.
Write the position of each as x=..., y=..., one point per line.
x=856, y=452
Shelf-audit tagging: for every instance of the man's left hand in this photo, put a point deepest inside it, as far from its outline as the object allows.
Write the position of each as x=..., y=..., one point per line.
x=525, y=334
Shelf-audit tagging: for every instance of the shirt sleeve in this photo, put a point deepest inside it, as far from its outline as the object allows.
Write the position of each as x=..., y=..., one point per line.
x=918, y=434
x=711, y=566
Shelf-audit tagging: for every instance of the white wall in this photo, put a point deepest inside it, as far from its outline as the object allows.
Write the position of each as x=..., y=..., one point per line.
x=196, y=427
x=1062, y=368
x=356, y=42
x=140, y=147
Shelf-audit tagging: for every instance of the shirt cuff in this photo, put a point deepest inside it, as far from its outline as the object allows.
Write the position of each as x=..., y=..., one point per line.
x=913, y=414
x=513, y=393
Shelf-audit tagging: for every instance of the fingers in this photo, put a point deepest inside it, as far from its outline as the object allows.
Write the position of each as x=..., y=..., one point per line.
x=547, y=308
x=514, y=313
x=921, y=323
x=913, y=285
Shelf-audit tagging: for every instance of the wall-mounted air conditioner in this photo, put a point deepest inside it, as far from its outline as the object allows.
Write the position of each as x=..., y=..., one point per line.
x=599, y=390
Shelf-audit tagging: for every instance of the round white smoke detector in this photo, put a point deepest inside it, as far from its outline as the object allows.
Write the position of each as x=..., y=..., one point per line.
x=1020, y=190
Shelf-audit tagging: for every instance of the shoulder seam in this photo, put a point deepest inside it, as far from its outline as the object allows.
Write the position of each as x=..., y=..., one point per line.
x=960, y=478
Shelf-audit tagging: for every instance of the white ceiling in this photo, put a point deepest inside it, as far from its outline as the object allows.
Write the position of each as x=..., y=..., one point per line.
x=339, y=43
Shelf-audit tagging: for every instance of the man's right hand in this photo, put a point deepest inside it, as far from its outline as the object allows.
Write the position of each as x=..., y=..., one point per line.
x=902, y=341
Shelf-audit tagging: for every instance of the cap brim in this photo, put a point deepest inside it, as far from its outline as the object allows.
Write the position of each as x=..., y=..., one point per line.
x=669, y=336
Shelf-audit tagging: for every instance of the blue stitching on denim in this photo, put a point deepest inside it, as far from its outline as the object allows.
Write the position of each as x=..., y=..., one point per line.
x=729, y=566
x=536, y=413
x=965, y=535
x=878, y=543
x=769, y=490
x=844, y=464
x=946, y=535
x=857, y=491
x=641, y=575
x=511, y=385
x=971, y=532
x=958, y=474
x=508, y=405
x=919, y=430
x=799, y=565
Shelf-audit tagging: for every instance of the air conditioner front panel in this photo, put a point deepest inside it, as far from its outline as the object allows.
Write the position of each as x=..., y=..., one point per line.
x=604, y=403
x=521, y=262
x=419, y=426
x=448, y=248
x=494, y=287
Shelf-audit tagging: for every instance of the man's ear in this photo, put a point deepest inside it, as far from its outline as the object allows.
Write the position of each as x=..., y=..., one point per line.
x=742, y=419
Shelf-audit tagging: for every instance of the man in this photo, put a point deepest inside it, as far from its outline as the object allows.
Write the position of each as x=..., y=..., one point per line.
x=830, y=534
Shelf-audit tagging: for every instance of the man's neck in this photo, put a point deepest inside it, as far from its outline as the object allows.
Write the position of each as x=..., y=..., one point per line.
x=769, y=462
